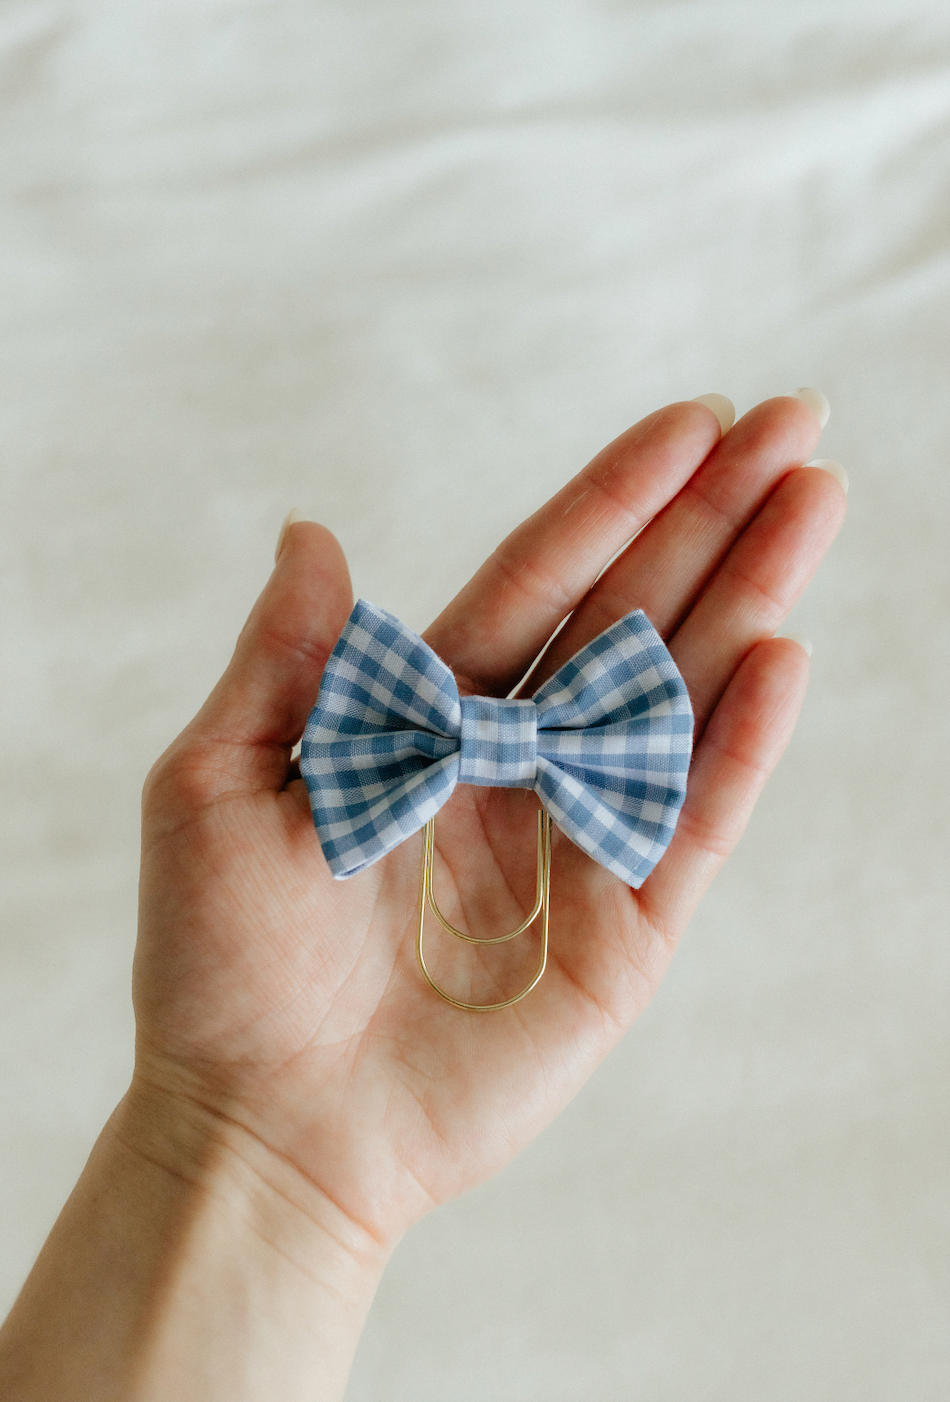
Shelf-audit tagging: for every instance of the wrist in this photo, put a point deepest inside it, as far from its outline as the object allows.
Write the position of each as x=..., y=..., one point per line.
x=264, y=1263
x=191, y=1262
x=220, y=1162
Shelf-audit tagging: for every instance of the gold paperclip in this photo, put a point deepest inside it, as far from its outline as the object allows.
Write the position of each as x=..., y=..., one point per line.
x=542, y=907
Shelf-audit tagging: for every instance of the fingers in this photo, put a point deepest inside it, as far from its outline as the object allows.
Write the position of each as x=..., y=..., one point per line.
x=665, y=568
x=495, y=628
x=259, y=707
x=743, y=743
x=755, y=587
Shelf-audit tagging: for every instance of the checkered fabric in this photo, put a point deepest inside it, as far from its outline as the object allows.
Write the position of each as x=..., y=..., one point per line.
x=498, y=743
x=605, y=744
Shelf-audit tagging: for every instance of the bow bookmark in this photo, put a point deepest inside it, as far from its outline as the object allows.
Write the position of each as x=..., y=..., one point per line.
x=605, y=744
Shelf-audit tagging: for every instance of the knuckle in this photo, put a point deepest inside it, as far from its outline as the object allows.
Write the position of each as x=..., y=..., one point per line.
x=181, y=782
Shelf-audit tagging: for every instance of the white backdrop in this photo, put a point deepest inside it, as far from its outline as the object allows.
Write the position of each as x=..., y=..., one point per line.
x=406, y=266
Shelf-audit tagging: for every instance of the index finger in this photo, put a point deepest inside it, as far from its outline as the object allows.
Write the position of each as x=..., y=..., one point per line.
x=497, y=625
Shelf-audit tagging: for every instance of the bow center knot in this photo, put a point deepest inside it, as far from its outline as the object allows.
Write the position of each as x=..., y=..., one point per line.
x=499, y=742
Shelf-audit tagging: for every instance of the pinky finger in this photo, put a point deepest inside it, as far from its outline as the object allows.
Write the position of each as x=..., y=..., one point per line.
x=741, y=745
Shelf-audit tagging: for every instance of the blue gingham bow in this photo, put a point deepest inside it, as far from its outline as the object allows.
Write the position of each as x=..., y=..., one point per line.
x=605, y=744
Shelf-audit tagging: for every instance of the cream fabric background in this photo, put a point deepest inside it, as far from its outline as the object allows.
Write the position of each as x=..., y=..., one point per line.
x=406, y=266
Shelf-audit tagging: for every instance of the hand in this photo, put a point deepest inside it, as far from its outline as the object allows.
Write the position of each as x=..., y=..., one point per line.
x=281, y=1001
x=300, y=1094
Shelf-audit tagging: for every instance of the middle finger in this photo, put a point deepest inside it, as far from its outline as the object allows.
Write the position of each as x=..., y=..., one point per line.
x=665, y=568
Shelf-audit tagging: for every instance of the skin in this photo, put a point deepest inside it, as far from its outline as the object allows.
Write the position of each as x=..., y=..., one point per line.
x=300, y=1096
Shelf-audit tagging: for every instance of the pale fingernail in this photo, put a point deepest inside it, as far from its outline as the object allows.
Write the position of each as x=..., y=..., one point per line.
x=723, y=408
x=802, y=642
x=290, y=519
x=817, y=403
x=835, y=468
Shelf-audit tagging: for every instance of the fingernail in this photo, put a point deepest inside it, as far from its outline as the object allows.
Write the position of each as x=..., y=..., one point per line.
x=817, y=403
x=290, y=519
x=723, y=408
x=835, y=468
x=802, y=642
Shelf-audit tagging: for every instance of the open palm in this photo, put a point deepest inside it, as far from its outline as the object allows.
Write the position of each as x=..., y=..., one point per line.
x=291, y=1004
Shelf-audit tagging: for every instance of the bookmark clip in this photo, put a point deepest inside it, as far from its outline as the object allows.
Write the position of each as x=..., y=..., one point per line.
x=605, y=743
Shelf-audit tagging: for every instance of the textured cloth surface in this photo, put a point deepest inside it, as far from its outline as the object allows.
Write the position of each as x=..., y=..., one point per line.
x=605, y=743
x=407, y=267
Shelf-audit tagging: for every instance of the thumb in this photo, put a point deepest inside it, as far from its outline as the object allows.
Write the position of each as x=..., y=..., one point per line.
x=258, y=709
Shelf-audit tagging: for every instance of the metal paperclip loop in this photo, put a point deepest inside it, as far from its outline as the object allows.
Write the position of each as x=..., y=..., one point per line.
x=542, y=907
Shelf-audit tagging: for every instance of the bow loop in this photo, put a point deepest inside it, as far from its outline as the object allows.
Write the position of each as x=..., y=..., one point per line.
x=605, y=744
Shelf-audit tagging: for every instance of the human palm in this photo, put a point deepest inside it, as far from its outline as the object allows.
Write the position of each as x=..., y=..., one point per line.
x=290, y=1003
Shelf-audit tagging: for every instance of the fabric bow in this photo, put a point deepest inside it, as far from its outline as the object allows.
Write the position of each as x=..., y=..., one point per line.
x=605, y=743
